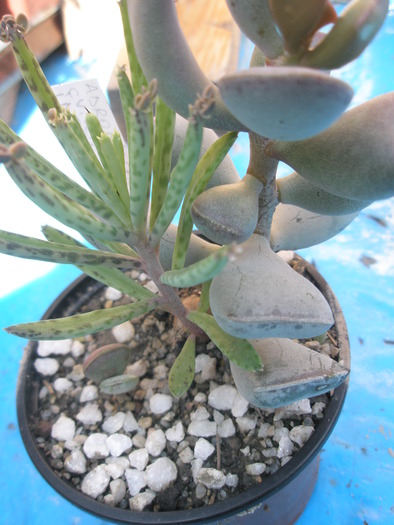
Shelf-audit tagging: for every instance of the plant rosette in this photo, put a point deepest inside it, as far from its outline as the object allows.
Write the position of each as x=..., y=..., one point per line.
x=147, y=457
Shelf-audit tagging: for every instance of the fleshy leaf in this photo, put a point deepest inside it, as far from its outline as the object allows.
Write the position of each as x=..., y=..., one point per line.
x=182, y=371
x=260, y=295
x=238, y=351
x=294, y=228
x=117, y=385
x=107, y=361
x=228, y=213
x=291, y=372
x=81, y=324
x=285, y=103
x=363, y=165
x=355, y=28
x=255, y=20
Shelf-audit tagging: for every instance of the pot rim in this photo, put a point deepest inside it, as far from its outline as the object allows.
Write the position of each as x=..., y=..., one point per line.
x=207, y=513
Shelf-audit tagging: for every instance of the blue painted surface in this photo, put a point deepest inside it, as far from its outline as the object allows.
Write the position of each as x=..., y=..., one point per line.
x=357, y=463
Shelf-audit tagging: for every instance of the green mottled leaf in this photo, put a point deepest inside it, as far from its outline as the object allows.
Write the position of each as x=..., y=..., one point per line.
x=205, y=168
x=180, y=179
x=237, y=350
x=110, y=276
x=112, y=152
x=182, y=371
x=200, y=271
x=164, y=139
x=37, y=249
x=80, y=325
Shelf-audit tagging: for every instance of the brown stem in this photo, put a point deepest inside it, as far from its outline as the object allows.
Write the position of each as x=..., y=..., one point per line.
x=264, y=169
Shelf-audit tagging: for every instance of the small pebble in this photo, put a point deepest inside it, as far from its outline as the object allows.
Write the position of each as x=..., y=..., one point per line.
x=222, y=398
x=123, y=333
x=130, y=423
x=155, y=442
x=211, y=478
x=226, y=428
x=300, y=434
x=140, y=501
x=135, y=480
x=112, y=294
x=114, y=423
x=245, y=424
x=176, y=433
x=46, y=366
x=90, y=414
x=203, y=449
x=61, y=384
x=160, y=403
x=63, y=429
x=75, y=463
x=139, y=459
x=118, y=444
x=46, y=348
x=95, y=482
x=115, y=470
x=95, y=447
x=186, y=455
x=118, y=490
x=77, y=349
x=201, y=414
x=89, y=393
x=255, y=469
x=240, y=406
x=161, y=474
x=202, y=428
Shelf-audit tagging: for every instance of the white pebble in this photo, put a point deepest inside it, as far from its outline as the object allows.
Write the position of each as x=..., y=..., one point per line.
x=200, y=414
x=123, y=462
x=124, y=332
x=150, y=285
x=77, y=348
x=95, y=447
x=155, y=442
x=63, y=429
x=160, y=403
x=176, y=433
x=46, y=348
x=200, y=397
x=77, y=373
x=285, y=447
x=297, y=408
x=202, y=428
x=75, y=463
x=140, y=501
x=203, y=449
x=112, y=294
x=226, y=428
x=46, y=366
x=90, y=414
x=232, y=480
x=196, y=467
x=135, y=481
x=114, y=423
x=96, y=482
x=138, y=369
x=139, y=440
x=89, y=393
x=118, y=490
x=115, y=470
x=139, y=459
x=245, y=424
x=255, y=469
x=186, y=455
x=300, y=434
x=160, y=474
x=61, y=384
x=130, y=423
x=240, y=406
x=222, y=397
x=118, y=444
x=211, y=478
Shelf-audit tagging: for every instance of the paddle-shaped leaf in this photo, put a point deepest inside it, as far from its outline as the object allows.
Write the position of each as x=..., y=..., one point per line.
x=238, y=351
x=117, y=385
x=363, y=165
x=285, y=103
x=182, y=371
x=291, y=372
x=107, y=361
x=80, y=325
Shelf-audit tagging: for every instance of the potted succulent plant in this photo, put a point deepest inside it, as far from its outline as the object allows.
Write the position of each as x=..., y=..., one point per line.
x=234, y=289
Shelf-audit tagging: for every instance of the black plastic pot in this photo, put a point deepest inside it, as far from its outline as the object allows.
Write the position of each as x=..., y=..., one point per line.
x=278, y=500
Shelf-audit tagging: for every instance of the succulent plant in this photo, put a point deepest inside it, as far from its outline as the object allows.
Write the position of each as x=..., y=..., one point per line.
x=180, y=128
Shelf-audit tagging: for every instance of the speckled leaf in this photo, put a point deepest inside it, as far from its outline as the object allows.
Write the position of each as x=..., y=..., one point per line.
x=182, y=371
x=80, y=325
x=355, y=28
x=237, y=350
x=110, y=276
x=255, y=20
x=37, y=249
x=285, y=103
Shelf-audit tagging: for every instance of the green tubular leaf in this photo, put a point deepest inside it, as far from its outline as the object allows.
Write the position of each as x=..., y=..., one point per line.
x=110, y=276
x=126, y=94
x=137, y=75
x=199, y=272
x=34, y=76
x=139, y=124
x=37, y=249
x=164, y=139
x=60, y=206
x=180, y=179
x=111, y=155
x=80, y=325
x=206, y=167
x=49, y=173
x=237, y=350
x=182, y=371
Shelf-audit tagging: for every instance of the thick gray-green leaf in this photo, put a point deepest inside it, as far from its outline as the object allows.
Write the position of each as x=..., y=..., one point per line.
x=294, y=228
x=182, y=371
x=354, y=158
x=117, y=385
x=255, y=20
x=259, y=295
x=285, y=103
x=155, y=27
x=291, y=372
x=229, y=213
x=37, y=249
x=81, y=324
x=237, y=350
x=107, y=361
x=297, y=191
